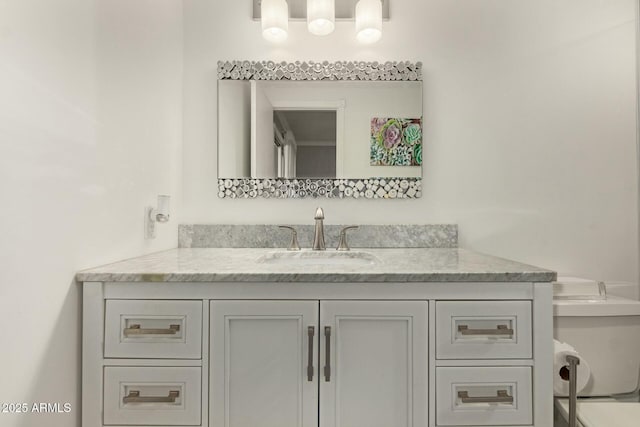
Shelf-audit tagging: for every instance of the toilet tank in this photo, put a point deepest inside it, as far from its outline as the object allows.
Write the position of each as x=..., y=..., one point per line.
x=606, y=333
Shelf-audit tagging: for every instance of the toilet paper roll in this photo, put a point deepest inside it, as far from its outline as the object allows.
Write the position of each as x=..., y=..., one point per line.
x=560, y=385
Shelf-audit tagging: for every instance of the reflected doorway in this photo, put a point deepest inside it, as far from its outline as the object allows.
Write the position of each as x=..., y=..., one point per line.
x=306, y=143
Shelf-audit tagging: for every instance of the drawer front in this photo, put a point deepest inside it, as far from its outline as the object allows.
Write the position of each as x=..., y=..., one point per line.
x=153, y=329
x=483, y=330
x=152, y=396
x=483, y=396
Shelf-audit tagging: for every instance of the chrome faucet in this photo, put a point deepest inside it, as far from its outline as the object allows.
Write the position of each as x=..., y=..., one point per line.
x=318, y=235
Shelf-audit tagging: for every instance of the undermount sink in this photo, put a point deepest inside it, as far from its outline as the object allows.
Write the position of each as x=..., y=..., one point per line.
x=310, y=258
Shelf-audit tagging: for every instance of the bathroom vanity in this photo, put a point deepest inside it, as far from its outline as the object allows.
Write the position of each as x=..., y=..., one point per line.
x=263, y=337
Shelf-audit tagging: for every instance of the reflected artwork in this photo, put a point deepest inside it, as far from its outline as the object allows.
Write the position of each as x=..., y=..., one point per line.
x=396, y=142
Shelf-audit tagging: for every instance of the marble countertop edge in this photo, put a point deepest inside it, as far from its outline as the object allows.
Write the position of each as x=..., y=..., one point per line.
x=242, y=265
x=316, y=278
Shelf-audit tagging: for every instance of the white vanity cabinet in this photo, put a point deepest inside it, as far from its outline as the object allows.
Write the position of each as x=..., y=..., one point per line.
x=287, y=354
x=260, y=351
x=286, y=363
x=484, y=363
x=376, y=352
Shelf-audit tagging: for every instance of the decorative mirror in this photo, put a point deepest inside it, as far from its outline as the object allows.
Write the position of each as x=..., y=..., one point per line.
x=310, y=129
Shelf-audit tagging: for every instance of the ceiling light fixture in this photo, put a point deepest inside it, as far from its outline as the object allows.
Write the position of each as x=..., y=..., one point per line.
x=321, y=17
x=369, y=21
x=275, y=20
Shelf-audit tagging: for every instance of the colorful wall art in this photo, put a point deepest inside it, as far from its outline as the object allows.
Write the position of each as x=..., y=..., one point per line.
x=396, y=142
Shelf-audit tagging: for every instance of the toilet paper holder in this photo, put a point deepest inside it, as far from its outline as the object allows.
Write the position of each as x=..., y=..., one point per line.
x=573, y=362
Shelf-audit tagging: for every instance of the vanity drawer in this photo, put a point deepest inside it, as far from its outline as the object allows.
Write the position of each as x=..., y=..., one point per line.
x=483, y=330
x=483, y=396
x=153, y=329
x=152, y=396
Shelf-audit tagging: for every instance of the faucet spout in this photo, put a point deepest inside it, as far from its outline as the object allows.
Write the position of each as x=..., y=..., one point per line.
x=318, y=235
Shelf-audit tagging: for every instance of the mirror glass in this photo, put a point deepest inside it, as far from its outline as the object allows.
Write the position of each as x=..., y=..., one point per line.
x=319, y=129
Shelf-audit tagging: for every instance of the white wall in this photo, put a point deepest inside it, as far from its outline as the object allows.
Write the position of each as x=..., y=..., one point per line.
x=529, y=112
x=90, y=132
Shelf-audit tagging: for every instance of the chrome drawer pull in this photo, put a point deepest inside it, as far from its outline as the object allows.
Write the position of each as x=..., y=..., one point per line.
x=134, y=397
x=311, y=331
x=327, y=354
x=499, y=330
x=136, y=330
x=502, y=397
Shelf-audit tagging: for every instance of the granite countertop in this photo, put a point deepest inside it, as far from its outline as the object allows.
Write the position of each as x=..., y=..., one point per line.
x=247, y=265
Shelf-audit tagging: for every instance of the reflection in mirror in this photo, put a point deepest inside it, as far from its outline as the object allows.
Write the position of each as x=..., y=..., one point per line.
x=319, y=129
x=275, y=118
x=306, y=140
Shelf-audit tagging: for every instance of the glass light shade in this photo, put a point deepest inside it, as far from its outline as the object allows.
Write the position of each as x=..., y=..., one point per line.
x=275, y=19
x=321, y=16
x=369, y=21
x=162, y=211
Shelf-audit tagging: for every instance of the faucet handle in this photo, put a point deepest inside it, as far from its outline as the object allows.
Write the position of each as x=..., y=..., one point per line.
x=342, y=245
x=293, y=246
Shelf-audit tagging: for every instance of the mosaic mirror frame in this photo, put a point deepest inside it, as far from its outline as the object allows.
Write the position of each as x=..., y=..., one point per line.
x=300, y=188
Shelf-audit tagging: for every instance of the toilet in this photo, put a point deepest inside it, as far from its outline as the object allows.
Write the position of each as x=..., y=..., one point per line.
x=605, y=331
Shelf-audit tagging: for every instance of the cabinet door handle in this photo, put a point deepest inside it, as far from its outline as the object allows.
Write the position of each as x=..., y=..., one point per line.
x=311, y=331
x=136, y=330
x=499, y=330
x=134, y=397
x=501, y=397
x=327, y=353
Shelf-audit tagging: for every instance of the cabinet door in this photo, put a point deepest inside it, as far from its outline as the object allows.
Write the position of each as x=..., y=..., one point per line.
x=373, y=364
x=259, y=364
